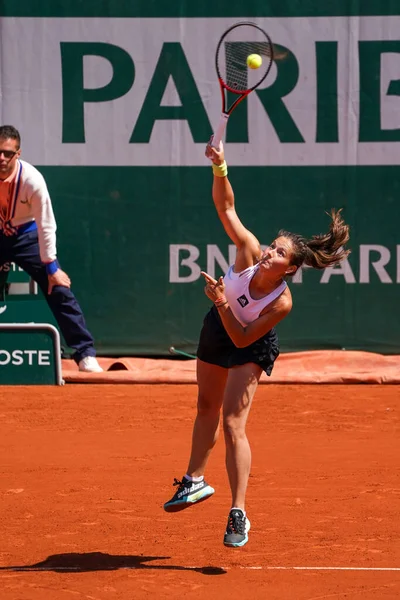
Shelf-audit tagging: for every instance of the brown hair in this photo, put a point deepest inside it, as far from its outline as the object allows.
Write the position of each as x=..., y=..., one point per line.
x=323, y=250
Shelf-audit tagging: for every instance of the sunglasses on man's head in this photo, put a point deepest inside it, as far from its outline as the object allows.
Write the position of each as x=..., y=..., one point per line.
x=8, y=153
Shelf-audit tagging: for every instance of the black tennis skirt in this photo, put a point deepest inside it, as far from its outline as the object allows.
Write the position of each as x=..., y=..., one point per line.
x=217, y=348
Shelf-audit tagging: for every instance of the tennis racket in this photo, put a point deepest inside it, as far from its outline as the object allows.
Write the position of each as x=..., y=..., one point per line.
x=234, y=75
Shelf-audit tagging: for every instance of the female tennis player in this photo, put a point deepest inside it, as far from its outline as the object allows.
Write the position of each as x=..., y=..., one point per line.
x=238, y=341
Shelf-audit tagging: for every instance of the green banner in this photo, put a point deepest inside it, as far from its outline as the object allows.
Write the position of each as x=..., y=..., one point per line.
x=29, y=355
x=136, y=266
x=188, y=8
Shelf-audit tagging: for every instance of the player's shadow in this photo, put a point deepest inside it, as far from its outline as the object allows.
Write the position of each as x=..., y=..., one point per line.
x=75, y=562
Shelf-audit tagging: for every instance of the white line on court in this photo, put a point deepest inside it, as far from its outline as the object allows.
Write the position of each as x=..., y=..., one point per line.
x=267, y=568
x=205, y=569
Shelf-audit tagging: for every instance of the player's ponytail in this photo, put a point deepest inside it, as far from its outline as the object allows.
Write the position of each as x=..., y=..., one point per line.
x=323, y=250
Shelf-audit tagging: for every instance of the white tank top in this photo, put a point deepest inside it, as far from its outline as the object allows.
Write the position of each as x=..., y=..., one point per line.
x=243, y=306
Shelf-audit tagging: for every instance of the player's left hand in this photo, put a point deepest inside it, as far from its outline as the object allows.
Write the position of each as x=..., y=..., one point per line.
x=58, y=278
x=214, y=289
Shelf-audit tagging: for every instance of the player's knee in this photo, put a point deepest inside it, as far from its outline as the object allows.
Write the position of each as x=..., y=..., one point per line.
x=234, y=428
x=208, y=406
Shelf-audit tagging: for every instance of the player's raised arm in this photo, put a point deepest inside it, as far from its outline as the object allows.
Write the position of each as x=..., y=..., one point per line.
x=224, y=201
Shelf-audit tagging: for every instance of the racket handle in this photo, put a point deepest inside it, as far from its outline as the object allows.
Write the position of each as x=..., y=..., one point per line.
x=217, y=137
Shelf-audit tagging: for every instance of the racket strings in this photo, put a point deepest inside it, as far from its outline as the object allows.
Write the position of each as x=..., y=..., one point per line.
x=236, y=68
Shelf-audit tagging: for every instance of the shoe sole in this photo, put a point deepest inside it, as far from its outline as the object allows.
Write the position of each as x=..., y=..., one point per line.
x=243, y=542
x=237, y=544
x=195, y=499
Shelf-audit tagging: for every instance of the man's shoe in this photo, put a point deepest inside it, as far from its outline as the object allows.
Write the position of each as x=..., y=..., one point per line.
x=89, y=364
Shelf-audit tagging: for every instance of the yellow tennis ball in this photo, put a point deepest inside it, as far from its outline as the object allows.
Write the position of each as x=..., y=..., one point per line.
x=254, y=61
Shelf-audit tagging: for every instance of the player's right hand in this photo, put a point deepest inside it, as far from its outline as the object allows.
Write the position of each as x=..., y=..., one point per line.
x=214, y=289
x=215, y=154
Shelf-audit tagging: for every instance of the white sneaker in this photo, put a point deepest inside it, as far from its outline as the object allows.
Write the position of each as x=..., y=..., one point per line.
x=89, y=364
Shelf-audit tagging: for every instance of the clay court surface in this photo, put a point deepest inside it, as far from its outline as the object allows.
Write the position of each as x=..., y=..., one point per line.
x=86, y=470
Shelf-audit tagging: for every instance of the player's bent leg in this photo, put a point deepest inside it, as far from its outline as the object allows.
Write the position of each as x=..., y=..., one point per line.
x=211, y=381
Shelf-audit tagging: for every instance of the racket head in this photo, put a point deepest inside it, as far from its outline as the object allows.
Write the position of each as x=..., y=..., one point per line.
x=234, y=47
